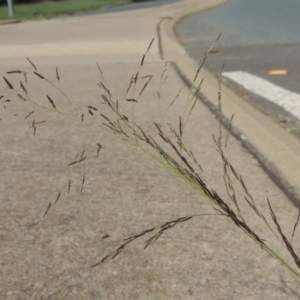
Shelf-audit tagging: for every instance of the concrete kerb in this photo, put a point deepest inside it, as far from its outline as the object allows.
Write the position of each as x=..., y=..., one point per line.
x=276, y=150
x=7, y=22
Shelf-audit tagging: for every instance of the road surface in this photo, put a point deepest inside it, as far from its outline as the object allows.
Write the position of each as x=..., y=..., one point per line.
x=130, y=6
x=258, y=37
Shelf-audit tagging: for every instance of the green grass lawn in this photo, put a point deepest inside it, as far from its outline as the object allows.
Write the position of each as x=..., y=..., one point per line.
x=49, y=9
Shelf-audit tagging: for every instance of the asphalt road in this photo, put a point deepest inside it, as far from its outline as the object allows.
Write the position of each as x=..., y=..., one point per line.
x=258, y=36
x=131, y=6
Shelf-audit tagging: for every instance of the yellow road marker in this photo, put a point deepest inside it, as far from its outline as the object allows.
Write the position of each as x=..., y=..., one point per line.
x=278, y=72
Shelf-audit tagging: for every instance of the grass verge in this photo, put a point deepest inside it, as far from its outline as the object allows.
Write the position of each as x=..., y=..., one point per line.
x=50, y=9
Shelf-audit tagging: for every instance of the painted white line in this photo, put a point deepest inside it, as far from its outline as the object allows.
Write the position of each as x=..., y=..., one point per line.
x=288, y=100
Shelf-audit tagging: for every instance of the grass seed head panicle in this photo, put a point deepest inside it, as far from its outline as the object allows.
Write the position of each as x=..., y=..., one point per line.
x=170, y=150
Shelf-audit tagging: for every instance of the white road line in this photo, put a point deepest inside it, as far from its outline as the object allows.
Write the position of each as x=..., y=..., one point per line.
x=288, y=100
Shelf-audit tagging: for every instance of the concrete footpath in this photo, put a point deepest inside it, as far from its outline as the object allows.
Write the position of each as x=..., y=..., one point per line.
x=124, y=191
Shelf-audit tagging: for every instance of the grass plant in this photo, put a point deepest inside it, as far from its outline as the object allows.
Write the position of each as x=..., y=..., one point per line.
x=49, y=9
x=168, y=148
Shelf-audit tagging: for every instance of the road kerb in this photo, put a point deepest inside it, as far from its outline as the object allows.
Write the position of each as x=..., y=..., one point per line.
x=276, y=148
x=7, y=22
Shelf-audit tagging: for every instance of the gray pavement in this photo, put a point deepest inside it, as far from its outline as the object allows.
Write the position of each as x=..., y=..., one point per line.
x=125, y=192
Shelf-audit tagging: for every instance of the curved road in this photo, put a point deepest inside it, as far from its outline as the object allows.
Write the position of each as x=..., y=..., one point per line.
x=131, y=6
x=258, y=36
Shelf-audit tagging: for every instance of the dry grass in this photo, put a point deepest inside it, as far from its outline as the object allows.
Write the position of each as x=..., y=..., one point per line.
x=169, y=149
